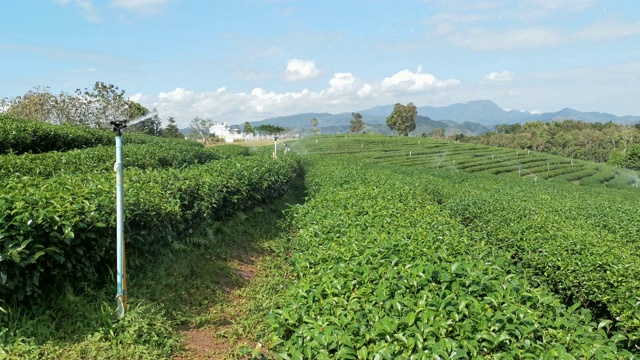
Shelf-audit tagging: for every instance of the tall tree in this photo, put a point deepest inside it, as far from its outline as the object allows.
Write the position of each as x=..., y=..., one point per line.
x=36, y=104
x=314, y=126
x=356, y=123
x=94, y=108
x=201, y=127
x=403, y=118
x=102, y=105
x=172, y=130
x=136, y=111
x=248, y=129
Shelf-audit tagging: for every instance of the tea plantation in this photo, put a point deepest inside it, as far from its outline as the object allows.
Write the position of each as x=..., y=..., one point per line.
x=412, y=248
x=403, y=248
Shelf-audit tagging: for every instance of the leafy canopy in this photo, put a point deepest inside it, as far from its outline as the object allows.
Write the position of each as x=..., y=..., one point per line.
x=201, y=127
x=248, y=129
x=94, y=108
x=356, y=123
x=403, y=118
x=270, y=129
x=315, y=129
x=172, y=130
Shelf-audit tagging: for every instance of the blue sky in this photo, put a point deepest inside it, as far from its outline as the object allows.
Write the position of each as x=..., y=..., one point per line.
x=239, y=60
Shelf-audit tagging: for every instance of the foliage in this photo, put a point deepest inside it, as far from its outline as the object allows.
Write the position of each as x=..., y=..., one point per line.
x=314, y=126
x=438, y=133
x=356, y=123
x=201, y=127
x=403, y=248
x=269, y=129
x=631, y=159
x=18, y=136
x=403, y=118
x=57, y=230
x=36, y=104
x=248, y=129
x=195, y=276
x=151, y=125
x=83, y=326
x=393, y=274
x=598, y=142
x=100, y=159
x=93, y=108
x=172, y=130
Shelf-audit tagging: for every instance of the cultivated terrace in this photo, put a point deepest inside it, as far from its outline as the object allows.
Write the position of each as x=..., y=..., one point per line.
x=345, y=247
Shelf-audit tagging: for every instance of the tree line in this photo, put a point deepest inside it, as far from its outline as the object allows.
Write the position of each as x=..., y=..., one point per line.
x=614, y=144
x=104, y=103
x=96, y=108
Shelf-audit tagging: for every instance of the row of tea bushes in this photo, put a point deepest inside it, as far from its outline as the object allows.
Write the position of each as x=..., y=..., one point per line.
x=582, y=242
x=19, y=136
x=172, y=154
x=382, y=271
x=61, y=230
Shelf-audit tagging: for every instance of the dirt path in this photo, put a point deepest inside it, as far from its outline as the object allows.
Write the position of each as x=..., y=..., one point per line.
x=221, y=341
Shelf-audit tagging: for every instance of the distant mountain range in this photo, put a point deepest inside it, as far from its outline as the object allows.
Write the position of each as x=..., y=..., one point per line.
x=472, y=118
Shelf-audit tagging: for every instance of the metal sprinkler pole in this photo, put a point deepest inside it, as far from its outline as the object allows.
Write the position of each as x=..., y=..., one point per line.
x=121, y=279
x=275, y=147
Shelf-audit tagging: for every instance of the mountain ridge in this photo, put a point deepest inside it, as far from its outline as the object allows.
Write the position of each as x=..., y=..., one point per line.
x=470, y=118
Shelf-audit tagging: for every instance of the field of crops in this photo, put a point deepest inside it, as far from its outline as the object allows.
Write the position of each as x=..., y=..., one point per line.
x=57, y=221
x=451, y=155
x=414, y=248
x=405, y=248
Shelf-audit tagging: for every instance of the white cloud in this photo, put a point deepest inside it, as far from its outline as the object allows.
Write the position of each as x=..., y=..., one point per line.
x=341, y=82
x=136, y=97
x=605, y=31
x=86, y=7
x=364, y=91
x=527, y=24
x=499, y=77
x=298, y=70
x=178, y=94
x=406, y=80
x=344, y=92
x=570, y=5
x=141, y=7
x=483, y=39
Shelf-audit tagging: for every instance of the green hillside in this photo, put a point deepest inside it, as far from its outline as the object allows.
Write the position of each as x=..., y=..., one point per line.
x=350, y=247
x=431, y=249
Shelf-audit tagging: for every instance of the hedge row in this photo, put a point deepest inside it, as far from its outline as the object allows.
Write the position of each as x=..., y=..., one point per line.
x=384, y=272
x=19, y=136
x=172, y=154
x=61, y=229
x=582, y=246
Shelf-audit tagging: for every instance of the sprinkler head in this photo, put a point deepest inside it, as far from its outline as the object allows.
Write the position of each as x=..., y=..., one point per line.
x=118, y=125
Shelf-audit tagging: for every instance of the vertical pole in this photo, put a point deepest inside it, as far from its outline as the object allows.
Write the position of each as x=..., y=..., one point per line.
x=121, y=296
x=275, y=147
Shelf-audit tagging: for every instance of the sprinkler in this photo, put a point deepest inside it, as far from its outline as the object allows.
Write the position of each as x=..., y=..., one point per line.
x=121, y=279
x=275, y=146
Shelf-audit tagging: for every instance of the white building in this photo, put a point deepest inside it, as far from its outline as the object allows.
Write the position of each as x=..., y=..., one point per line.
x=224, y=131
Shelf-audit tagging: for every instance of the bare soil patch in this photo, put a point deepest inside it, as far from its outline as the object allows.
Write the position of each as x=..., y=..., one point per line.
x=221, y=340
